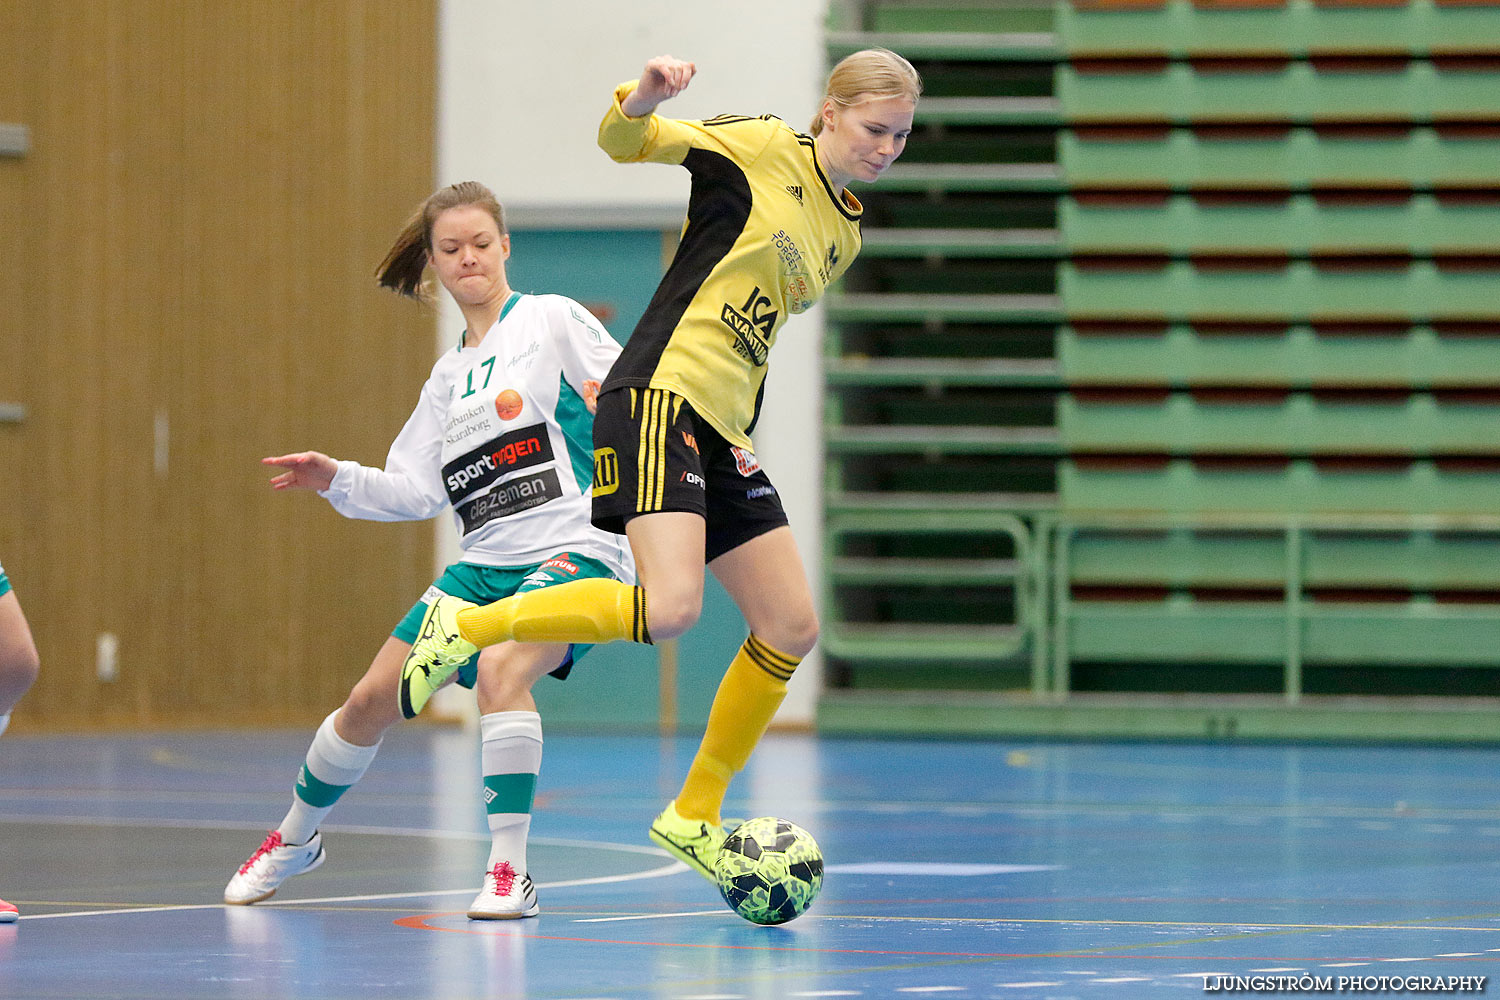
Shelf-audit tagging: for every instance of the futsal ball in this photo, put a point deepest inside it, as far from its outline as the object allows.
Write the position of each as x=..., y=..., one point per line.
x=769, y=870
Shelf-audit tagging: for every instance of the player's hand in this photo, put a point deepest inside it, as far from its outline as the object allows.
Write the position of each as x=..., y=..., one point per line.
x=591, y=395
x=305, y=470
x=663, y=78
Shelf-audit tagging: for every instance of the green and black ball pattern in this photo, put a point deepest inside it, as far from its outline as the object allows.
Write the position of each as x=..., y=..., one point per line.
x=769, y=870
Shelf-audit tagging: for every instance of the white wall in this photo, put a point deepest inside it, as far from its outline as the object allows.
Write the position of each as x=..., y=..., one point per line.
x=523, y=85
x=521, y=89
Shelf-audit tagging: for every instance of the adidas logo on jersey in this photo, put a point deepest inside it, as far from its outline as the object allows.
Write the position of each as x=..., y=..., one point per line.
x=795, y=190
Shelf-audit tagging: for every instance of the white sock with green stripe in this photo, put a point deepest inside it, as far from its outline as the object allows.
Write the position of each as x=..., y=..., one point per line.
x=511, y=755
x=332, y=765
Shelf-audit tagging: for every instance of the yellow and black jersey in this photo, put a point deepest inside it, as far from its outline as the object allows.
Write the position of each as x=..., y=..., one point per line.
x=765, y=235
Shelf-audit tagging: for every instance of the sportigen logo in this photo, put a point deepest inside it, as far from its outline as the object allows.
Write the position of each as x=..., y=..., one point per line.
x=478, y=469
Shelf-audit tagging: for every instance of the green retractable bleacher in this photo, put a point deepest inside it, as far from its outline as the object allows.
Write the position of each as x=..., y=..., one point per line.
x=1281, y=351
x=1171, y=369
x=940, y=375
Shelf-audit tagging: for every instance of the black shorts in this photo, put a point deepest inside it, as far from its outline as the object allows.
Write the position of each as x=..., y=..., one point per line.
x=653, y=453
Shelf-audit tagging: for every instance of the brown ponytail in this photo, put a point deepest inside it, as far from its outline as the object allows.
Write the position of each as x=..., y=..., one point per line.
x=401, y=270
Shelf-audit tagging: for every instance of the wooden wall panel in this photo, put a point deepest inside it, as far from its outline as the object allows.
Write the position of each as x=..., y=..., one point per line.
x=20, y=471
x=209, y=191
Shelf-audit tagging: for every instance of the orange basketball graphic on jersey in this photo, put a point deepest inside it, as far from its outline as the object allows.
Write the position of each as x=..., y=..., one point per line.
x=508, y=404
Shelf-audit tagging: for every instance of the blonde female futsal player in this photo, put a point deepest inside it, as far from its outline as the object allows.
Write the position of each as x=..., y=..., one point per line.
x=19, y=666
x=770, y=226
x=502, y=434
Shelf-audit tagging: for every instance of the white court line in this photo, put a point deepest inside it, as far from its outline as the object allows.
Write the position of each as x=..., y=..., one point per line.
x=1036, y=810
x=1315, y=816
x=649, y=916
x=29, y=917
x=377, y=831
x=933, y=868
x=672, y=868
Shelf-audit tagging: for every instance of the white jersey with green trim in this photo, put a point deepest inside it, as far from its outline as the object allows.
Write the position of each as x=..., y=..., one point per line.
x=501, y=435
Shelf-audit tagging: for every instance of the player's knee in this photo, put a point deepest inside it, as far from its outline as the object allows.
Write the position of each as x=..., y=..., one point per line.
x=671, y=613
x=359, y=700
x=789, y=627
x=795, y=634
x=367, y=713
x=491, y=691
x=20, y=669
x=805, y=635
x=501, y=680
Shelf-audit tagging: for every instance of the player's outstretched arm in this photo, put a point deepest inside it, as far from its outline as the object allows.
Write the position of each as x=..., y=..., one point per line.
x=663, y=78
x=304, y=470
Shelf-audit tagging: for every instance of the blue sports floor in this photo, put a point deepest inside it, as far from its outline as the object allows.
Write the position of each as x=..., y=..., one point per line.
x=958, y=870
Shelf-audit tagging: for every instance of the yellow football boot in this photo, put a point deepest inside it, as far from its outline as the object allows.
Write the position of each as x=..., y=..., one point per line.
x=436, y=655
x=694, y=842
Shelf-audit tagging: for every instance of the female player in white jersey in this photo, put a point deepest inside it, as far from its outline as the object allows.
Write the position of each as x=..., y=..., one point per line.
x=19, y=665
x=502, y=435
x=770, y=226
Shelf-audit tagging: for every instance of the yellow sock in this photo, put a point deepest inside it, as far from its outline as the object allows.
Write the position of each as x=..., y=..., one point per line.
x=593, y=610
x=752, y=689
